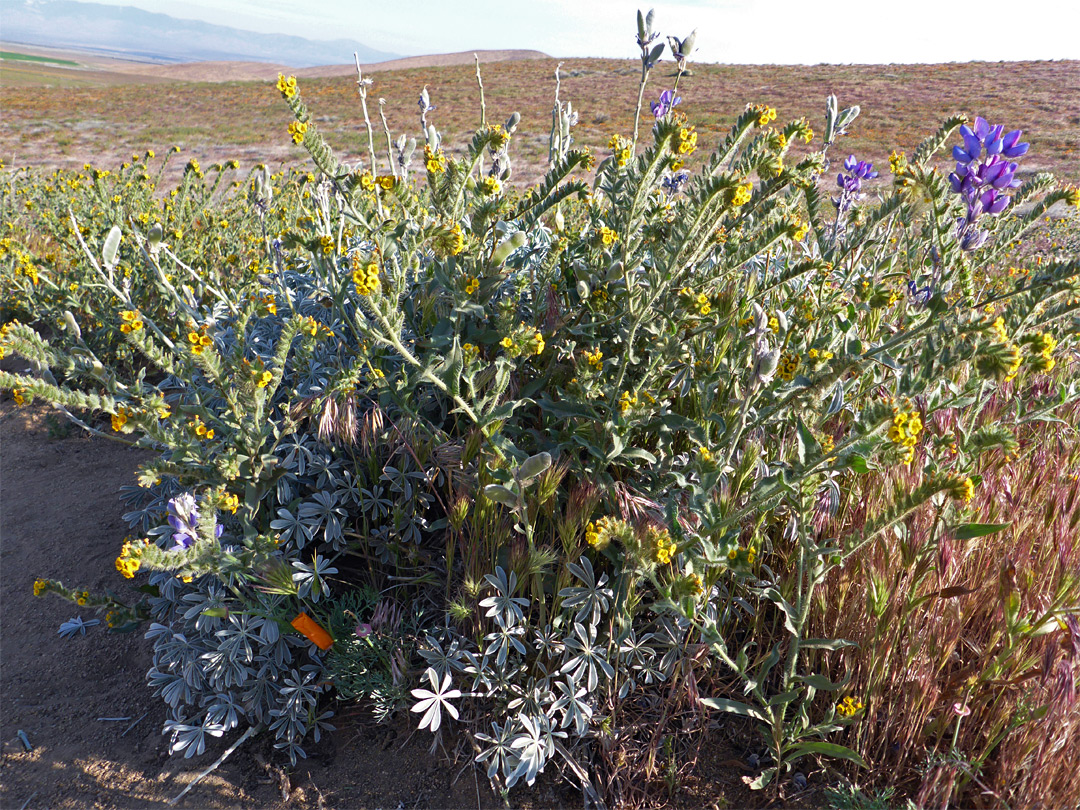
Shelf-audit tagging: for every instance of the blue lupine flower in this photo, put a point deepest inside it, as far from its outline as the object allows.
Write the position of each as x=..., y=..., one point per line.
x=668, y=101
x=673, y=184
x=851, y=184
x=981, y=181
x=184, y=519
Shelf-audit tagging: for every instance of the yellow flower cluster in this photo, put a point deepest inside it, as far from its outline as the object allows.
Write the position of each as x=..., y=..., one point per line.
x=788, y=366
x=40, y=586
x=1073, y=197
x=200, y=429
x=817, y=354
x=1041, y=349
x=434, y=160
x=498, y=136
x=119, y=419
x=230, y=502
x=741, y=194
x=607, y=236
x=132, y=322
x=998, y=328
x=17, y=395
x=297, y=129
x=310, y=325
x=964, y=490
x=904, y=432
x=621, y=150
x=594, y=359
x=264, y=379
x=472, y=285
x=897, y=162
x=449, y=241
x=598, y=534
x=128, y=561
x=765, y=114
x=199, y=341
x=697, y=303
x=365, y=277
x=665, y=547
x=801, y=230
x=287, y=87
x=749, y=554
x=471, y=352
x=527, y=340
x=686, y=141
x=705, y=454
x=627, y=401
x=490, y=185
x=849, y=706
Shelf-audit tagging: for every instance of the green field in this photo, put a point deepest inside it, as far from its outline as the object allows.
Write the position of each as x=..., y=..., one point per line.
x=26, y=57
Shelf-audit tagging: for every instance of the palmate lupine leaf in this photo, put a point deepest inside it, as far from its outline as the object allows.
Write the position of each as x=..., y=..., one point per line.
x=433, y=701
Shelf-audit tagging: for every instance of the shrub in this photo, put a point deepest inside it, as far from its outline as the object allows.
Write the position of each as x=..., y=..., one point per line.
x=592, y=436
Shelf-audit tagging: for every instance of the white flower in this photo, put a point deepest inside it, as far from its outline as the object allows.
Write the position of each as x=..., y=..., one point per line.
x=432, y=703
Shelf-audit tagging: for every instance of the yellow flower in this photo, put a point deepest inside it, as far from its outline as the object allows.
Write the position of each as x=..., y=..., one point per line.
x=490, y=185
x=230, y=502
x=506, y=342
x=740, y=196
x=449, y=241
x=788, y=366
x=40, y=586
x=287, y=88
x=607, y=236
x=964, y=490
x=472, y=286
x=310, y=325
x=434, y=160
x=119, y=419
x=665, y=548
x=801, y=229
x=17, y=395
x=595, y=359
x=132, y=321
x=849, y=707
x=386, y=182
x=264, y=379
x=297, y=129
x=705, y=454
x=627, y=401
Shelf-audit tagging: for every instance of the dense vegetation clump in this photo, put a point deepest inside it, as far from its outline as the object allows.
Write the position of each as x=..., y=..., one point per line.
x=569, y=470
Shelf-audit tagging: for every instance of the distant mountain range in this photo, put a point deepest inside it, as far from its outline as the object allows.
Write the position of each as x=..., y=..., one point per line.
x=129, y=32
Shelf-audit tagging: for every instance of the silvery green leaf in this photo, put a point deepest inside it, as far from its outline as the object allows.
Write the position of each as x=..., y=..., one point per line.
x=847, y=117
x=583, y=290
x=500, y=494
x=649, y=18
x=830, y=118
x=837, y=401
x=111, y=249
x=688, y=43
x=656, y=53
x=76, y=626
x=155, y=235
x=533, y=466
x=641, y=33
x=512, y=122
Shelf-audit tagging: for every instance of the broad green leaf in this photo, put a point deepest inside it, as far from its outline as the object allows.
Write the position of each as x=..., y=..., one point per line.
x=826, y=750
x=734, y=707
x=967, y=531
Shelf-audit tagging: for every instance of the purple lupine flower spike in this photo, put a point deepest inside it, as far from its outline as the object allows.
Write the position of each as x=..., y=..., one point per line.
x=981, y=180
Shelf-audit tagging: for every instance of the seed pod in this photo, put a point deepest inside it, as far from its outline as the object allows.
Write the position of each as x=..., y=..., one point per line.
x=506, y=247
x=111, y=249
x=72, y=325
x=512, y=122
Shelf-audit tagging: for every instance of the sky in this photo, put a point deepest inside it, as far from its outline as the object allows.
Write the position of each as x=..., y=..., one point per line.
x=729, y=31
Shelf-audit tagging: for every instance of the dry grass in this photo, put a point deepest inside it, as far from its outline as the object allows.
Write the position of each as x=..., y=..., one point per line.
x=66, y=126
x=931, y=616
